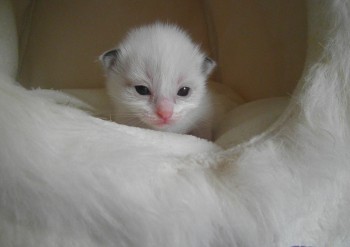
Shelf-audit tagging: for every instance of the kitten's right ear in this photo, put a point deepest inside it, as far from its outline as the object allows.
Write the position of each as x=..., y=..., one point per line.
x=208, y=66
x=109, y=59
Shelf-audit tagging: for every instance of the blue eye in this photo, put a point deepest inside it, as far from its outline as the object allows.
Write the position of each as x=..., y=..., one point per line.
x=183, y=91
x=142, y=90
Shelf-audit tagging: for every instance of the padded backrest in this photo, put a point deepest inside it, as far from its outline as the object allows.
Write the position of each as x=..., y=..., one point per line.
x=259, y=45
x=8, y=40
x=67, y=36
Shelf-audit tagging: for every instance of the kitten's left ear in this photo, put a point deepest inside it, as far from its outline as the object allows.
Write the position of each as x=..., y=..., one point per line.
x=109, y=59
x=208, y=65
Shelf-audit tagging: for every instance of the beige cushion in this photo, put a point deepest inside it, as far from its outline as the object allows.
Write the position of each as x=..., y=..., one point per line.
x=68, y=36
x=8, y=40
x=259, y=45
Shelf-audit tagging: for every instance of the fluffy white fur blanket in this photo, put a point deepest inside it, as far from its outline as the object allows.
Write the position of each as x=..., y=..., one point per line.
x=69, y=179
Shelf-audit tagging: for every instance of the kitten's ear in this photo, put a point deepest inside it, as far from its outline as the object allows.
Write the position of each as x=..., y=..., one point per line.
x=109, y=59
x=208, y=66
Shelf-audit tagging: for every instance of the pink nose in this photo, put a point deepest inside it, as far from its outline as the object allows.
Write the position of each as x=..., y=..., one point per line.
x=164, y=114
x=165, y=109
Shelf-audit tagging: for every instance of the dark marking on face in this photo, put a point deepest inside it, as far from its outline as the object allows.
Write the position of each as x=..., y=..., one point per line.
x=208, y=65
x=110, y=58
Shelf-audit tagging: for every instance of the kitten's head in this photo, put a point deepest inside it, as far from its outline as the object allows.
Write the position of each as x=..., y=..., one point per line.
x=157, y=76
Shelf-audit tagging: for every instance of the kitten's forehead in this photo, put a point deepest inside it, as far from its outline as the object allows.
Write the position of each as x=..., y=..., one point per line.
x=161, y=49
x=159, y=35
x=157, y=72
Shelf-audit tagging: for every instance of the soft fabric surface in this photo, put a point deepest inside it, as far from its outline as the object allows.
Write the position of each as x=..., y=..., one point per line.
x=69, y=179
x=248, y=120
x=64, y=172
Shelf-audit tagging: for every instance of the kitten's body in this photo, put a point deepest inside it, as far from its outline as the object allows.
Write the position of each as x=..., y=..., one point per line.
x=157, y=79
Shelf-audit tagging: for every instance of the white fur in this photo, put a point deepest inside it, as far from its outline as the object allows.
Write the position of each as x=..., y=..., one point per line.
x=57, y=162
x=68, y=179
x=163, y=58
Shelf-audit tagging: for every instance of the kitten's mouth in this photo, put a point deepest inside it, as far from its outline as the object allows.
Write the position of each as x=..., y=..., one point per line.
x=160, y=123
x=163, y=122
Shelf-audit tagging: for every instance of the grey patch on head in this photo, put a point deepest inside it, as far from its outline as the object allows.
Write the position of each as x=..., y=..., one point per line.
x=109, y=59
x=208, y=65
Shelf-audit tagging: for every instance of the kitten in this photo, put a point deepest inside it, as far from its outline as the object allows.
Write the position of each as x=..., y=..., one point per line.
x=156, y=79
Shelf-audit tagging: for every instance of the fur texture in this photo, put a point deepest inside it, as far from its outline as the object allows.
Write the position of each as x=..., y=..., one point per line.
x=161, y=60
x=68, y=179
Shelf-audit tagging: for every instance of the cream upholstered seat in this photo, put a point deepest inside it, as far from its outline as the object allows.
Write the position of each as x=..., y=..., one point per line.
x=70, y=179
x=260, y=48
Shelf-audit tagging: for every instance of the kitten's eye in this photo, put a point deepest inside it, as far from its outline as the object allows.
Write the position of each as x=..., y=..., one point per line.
x=183, y=91
x=142, y=90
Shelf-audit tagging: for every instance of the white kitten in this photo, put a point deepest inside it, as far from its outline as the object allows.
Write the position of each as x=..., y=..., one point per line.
x=157, y=78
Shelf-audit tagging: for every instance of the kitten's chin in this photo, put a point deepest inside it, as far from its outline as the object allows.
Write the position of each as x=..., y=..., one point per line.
x=162, y=125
